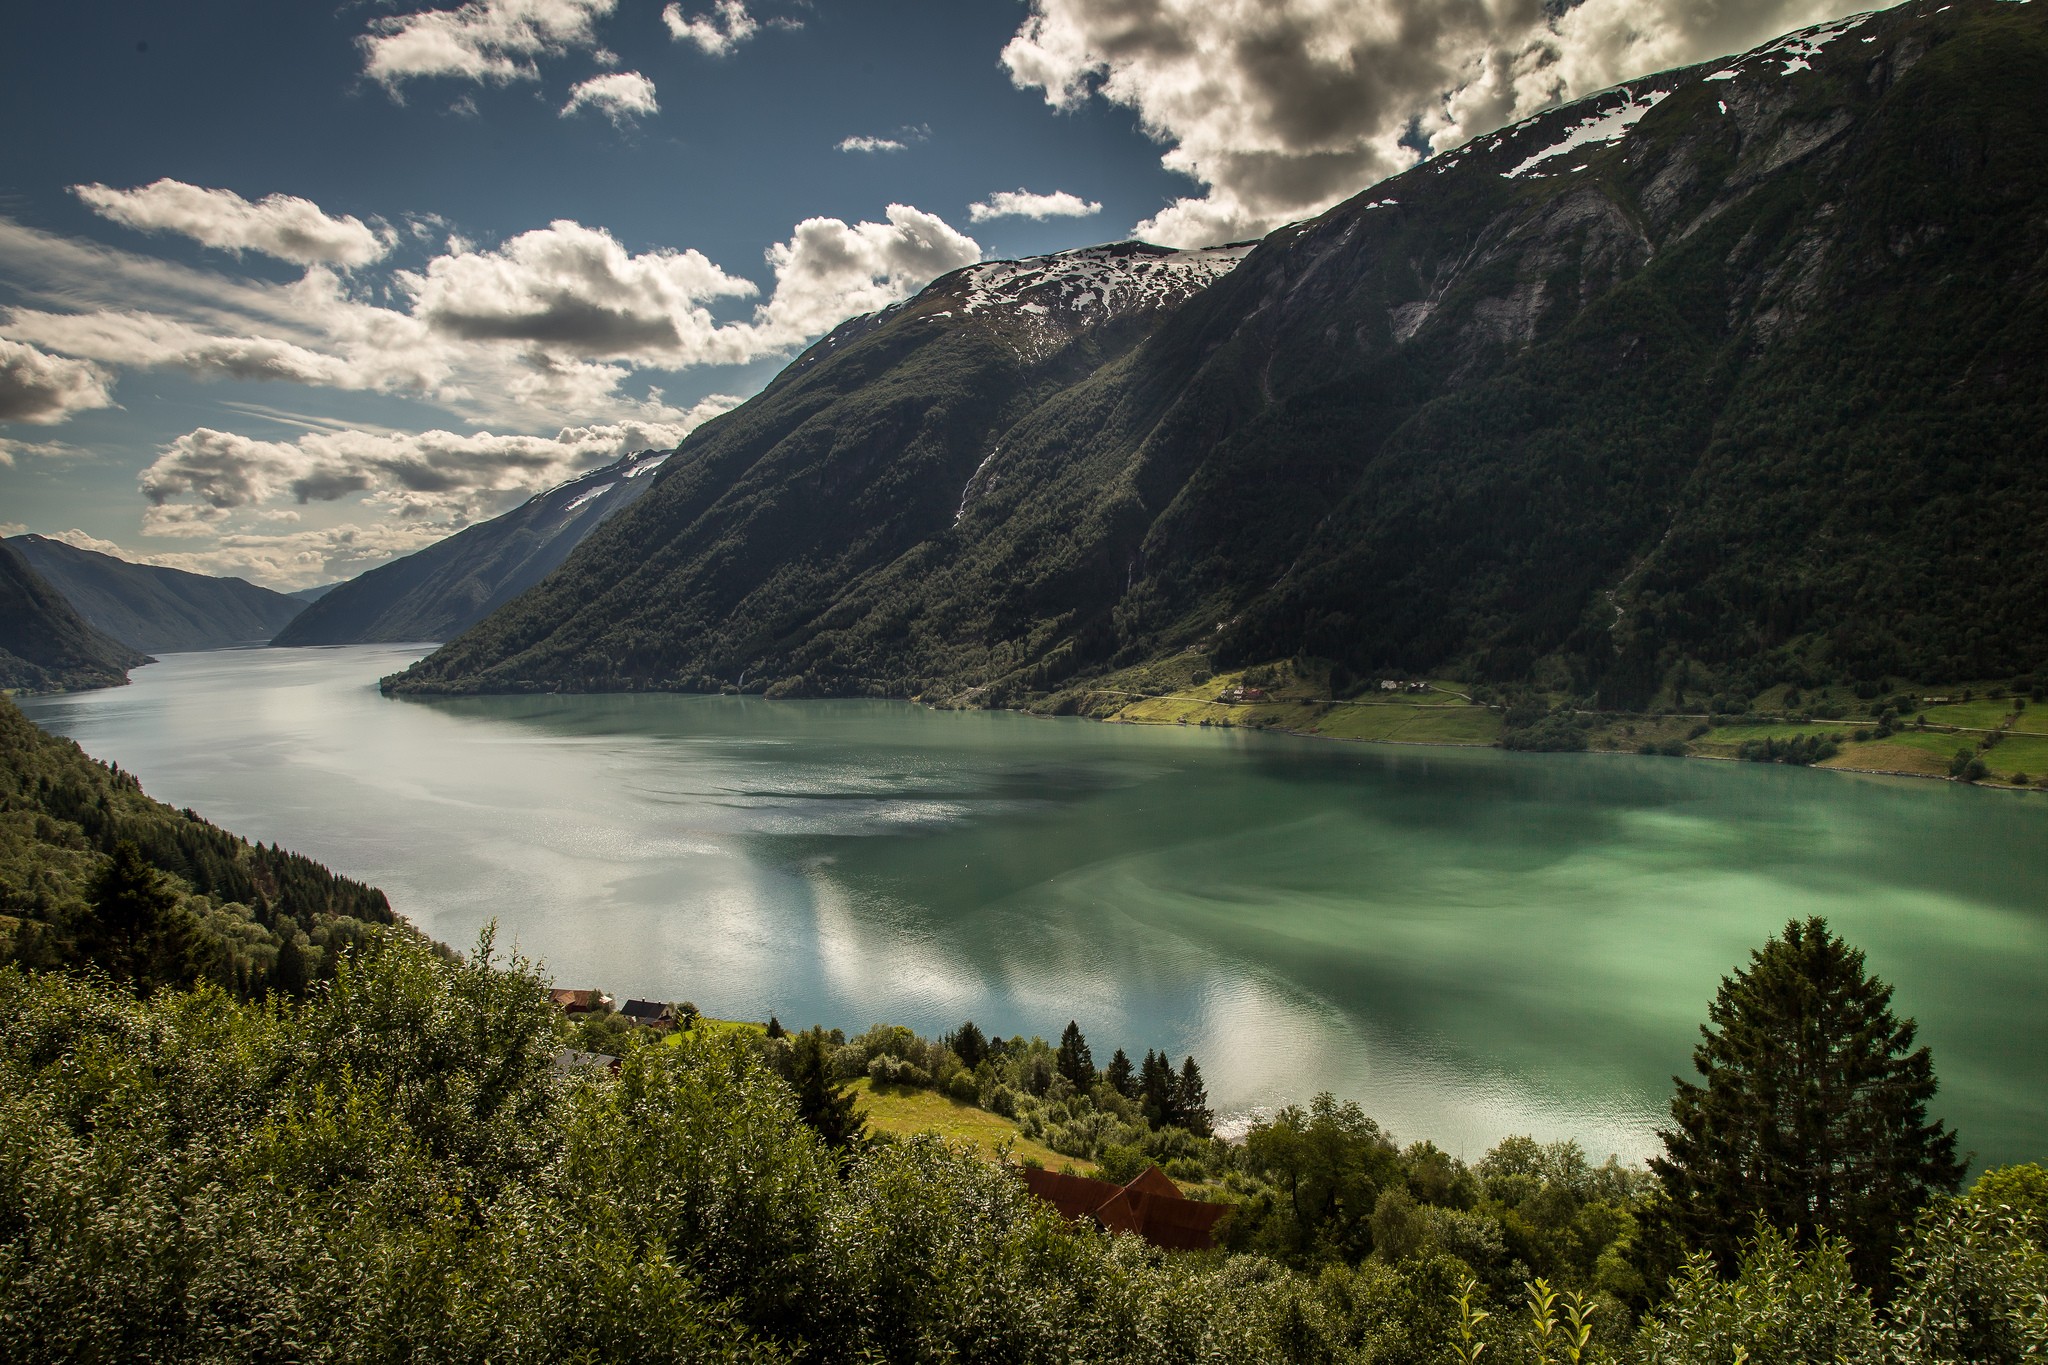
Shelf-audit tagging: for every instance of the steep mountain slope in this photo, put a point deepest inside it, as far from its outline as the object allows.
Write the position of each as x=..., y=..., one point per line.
x=438, y=592
x=153, y=609
x=1729, y=376
x=44, y=645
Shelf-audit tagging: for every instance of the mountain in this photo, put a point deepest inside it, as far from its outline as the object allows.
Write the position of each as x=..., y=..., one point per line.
x=313, y=594
x=1726, y=377
x=44, y=644
x=159, y=610
x=438, y=592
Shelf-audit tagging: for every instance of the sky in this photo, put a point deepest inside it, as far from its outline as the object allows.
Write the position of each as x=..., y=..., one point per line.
x=289, y=288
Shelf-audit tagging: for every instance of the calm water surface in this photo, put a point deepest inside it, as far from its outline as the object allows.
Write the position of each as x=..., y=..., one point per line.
x=1469, y=942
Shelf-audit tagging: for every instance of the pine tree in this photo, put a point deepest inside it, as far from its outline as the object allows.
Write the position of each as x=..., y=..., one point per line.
x=775, y=1029
x=1814, y=1112
x=138, y=931
x=1073, y=1059
x=821, y=1102
x=1122, y=1076
x=1191, y=1099
x=1155, y=1088
x=968, y=1045
x=289, y=975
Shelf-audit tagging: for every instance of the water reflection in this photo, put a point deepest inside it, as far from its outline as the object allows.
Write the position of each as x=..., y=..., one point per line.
x=1468, y=942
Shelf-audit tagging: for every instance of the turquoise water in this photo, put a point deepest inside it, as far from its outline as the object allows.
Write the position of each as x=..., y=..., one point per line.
x=1468, y=942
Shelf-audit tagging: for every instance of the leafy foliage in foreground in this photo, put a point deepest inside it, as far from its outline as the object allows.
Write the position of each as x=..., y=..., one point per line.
x=197, y=901
x=393, y=1169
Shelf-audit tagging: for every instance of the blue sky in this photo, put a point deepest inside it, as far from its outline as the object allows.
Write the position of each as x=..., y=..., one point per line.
x=287, y=289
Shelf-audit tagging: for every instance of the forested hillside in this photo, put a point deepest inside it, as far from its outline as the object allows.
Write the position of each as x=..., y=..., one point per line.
x=155, y=609
x=441, y=591
x=92, y=871
x=1727, y=378
x=45, y=646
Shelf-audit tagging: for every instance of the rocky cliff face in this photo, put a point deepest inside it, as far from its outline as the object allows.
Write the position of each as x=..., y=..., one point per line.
x=1732, y=372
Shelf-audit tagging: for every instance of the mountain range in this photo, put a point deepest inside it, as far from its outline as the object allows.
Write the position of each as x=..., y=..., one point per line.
x=157, y=610
x=1727, y=376
x=45, y=646
x=438, y=592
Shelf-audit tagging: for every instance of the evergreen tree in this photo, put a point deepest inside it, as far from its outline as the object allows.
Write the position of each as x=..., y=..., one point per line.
x=1191, y=1099
x=821, y=1102
x=1813, y=1116
x=775, y=1029
x=138, y=931
x=1155, y=1088
x=1122, y=1076
x=968, y=1045
x=1073, y=1059
x=289, y=975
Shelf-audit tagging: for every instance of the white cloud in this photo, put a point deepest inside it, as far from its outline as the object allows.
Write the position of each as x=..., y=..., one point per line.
x=11, y=450
x=545, y=327
x=13, y=528
x=827, y=272
x=575, y=292
x=870, y=144
x=81, y=540
x=43, y=389
x=1280, y=108
x=440, y=480
x=486, y=40
x=715, y=34
x=279, y=225
x=1025, y=204
x=621, y=96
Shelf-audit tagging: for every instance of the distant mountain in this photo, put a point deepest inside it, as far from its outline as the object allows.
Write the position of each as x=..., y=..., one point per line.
x=45, y=646
x=313, y=594
x=162, y=611
x=439, y=592
x=1727, y=377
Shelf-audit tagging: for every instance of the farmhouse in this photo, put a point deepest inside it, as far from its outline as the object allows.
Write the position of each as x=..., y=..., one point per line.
x=1151, y=1206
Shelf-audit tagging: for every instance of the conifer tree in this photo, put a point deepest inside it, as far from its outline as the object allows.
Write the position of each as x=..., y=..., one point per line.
x=775, y=1029
x=968, y=1045
x=1813, y=1115
x=1073, y=1059
x=138, y=931
x=822, y=1102
x=1121, y=1076
x=1191, y=1099
x=1155, y=1088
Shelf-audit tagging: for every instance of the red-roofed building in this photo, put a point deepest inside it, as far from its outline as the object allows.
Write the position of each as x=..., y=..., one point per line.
x=1150, y=1206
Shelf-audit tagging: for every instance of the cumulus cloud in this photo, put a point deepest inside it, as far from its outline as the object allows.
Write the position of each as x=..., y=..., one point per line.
x=621, y=96
x=1279, y=108
x=547, y=326
x=575, y=291
x=485, y=40
x=715, y=34
x=447, y=477
x=1025, y=204
x=827, y=271
x=44, y=389
x=870, y=144
x=279, y=225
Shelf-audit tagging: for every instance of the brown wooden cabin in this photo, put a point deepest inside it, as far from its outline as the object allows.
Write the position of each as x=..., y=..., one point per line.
x=1150, y=1206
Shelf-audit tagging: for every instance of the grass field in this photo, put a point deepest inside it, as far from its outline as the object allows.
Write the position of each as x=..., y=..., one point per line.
x=1984, y=714
x=897, y=1109
x=1439, y=716
x=1906, y=752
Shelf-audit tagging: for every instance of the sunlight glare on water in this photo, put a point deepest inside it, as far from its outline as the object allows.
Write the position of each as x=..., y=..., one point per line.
x=1470, y=943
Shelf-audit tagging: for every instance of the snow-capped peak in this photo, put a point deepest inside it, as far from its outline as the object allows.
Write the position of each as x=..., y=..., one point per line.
x=1107, y=280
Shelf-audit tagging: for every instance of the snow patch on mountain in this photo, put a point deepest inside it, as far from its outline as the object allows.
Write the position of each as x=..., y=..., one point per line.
x=1593, y=130
x=1112, y=280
